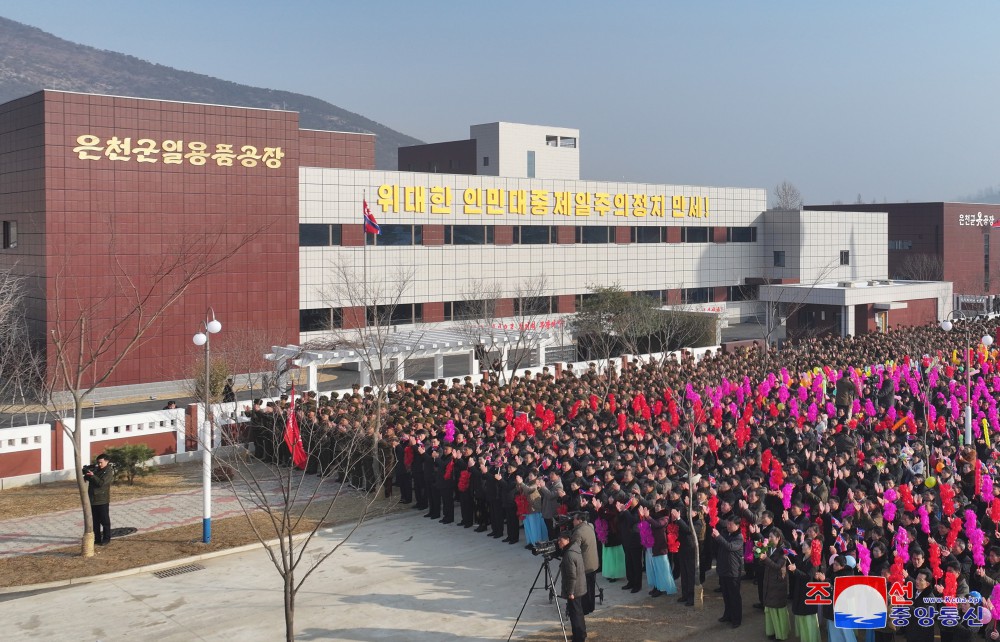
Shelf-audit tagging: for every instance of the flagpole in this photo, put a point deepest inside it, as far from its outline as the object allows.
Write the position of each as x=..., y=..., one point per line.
x=364, y=255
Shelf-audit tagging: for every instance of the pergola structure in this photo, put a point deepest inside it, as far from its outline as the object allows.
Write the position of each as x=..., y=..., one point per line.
x=396, y=348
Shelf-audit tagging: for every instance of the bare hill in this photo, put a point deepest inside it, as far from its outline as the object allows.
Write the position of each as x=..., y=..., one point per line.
x=31, y=60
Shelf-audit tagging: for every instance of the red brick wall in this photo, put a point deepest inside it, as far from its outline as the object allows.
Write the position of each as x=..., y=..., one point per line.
x=917, y=312
x=433, y=312
x=674, y=297
x=433, y=235
x=191, y=427
x=566, y=303
x=963, y=249
x=354, y=318
x=505, y=308
x=352, y=235
x=336, y=149
x=864, y=319
x=107, y=218
x=164, y=443
x=24, y=462
x=503, y=235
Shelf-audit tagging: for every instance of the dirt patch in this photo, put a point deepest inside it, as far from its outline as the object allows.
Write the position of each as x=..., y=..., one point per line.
x=28, y=501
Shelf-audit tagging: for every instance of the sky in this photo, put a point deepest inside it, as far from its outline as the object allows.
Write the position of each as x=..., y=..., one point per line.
x=886, y=101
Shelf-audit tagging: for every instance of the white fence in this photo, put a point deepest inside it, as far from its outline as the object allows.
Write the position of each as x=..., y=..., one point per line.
x=99, y=429
x=25, y=439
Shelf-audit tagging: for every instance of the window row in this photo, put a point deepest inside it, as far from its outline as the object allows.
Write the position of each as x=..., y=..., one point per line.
x=487, y=310
x=331, y=234
x=321, y=319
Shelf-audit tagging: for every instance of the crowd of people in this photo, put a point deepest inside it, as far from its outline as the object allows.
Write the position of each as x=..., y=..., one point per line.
x=829, y=458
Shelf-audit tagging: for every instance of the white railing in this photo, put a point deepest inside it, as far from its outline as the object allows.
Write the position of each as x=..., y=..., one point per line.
x=137, y=424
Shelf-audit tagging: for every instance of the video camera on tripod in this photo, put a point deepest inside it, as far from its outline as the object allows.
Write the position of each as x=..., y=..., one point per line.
x=549, y=549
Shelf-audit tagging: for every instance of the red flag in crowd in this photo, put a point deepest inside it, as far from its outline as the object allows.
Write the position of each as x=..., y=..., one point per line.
x=293, y=438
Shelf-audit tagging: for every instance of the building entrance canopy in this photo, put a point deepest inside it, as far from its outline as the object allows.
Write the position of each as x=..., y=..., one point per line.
x=381, y=347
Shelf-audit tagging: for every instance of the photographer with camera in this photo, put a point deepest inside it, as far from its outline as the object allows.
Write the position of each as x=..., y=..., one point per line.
x=99, y=478
x=574, y=584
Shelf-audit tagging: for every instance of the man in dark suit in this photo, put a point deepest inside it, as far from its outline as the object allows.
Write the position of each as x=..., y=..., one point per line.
x=729, y=566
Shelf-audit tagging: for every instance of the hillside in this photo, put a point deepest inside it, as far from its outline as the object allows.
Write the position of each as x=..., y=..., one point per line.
x=31, y=59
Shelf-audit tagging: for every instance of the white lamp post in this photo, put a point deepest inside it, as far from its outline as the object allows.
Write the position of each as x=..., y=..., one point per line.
x=987, y=341
x=211, y=326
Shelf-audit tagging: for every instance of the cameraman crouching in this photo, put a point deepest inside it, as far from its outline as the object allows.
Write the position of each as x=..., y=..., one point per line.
x=574, y=585
x=99, y=479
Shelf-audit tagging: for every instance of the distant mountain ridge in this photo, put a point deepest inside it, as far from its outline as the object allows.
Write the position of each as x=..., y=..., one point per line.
x=31, y=60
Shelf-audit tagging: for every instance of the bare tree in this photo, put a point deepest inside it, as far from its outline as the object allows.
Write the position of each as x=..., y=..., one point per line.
x=21, y=362
x=601, y=324
x=689, y=467
x=374, y=310
x=296, y=503
x=792, y=299
x=286, y=506
x=484, y=322
x=89, y=344
x=921, y=267
x=244, y=354
x=787, y=197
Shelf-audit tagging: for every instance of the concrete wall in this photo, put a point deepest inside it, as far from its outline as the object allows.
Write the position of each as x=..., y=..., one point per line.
x=508, y=144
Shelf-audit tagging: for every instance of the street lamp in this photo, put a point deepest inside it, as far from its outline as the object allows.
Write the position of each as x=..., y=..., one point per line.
x=211, y=326
x=987, y=341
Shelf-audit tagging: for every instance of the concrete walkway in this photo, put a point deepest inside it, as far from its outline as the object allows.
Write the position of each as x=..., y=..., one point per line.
x=401, y=577
x=52, y=531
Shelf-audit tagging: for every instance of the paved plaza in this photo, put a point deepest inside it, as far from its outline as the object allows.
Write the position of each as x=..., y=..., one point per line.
x=400, y=577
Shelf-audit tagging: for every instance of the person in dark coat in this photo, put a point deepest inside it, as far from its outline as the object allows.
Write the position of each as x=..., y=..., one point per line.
x=464, y=466
x=99, y=479
x=574, y=584
x=628, y=522
x=509, y=484
x=686, y=555
x=493, y=482
x=924, y=601
x=805, y=615
x=729, y=566
x=775, y=586
x=404, y=450
x=417, y=475
x=430, y=482
x=446, y=478
x=480, y=497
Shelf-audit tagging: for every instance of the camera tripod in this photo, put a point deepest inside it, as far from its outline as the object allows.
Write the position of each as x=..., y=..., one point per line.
x=549, y=586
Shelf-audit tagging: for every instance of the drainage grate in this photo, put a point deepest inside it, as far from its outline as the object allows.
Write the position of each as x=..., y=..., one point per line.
x=179, y=570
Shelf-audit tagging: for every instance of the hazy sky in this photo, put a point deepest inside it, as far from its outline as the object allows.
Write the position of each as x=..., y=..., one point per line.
x=890, y=100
